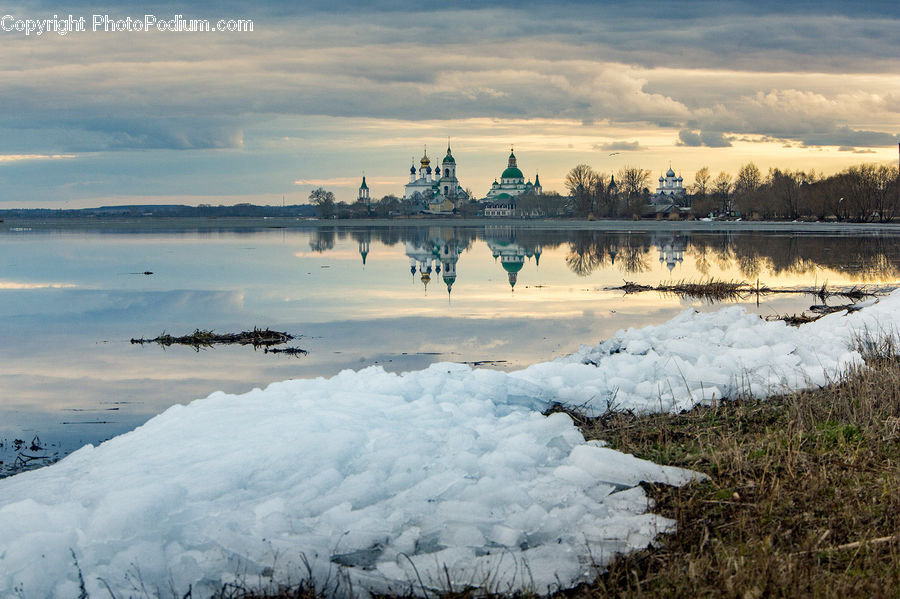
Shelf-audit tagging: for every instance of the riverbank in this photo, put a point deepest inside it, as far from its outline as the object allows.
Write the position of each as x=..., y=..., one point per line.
x=801, y=501
x=156, y=224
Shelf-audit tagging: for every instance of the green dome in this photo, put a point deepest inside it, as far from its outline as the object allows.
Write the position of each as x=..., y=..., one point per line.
x=512, y=173
x=448, y=159
x=513, y=266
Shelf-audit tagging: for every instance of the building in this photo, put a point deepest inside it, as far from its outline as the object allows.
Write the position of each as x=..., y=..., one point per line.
x=512, y=183
x=501, y=207
x=669, y=198
x=363, y=195
x=670, y=186
x=438, y=189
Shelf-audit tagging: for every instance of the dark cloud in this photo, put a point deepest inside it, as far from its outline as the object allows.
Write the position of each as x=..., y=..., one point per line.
x=712, y=139
x=717, y=71
x=847, y=137
x=855, y=150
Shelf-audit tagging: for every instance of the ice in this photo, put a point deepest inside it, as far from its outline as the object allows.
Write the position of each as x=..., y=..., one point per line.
x=379, y=482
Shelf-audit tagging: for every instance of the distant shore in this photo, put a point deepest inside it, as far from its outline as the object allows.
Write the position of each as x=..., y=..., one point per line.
x=179, y=224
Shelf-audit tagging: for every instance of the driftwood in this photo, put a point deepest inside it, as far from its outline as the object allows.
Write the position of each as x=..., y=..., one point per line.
x=197, y=339
x=289, y=351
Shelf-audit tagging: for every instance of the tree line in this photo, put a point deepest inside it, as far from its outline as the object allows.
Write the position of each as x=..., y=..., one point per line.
x=862, y=193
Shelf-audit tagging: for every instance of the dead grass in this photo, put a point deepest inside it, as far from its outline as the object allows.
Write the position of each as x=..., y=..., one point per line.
x=803, y=498
x=716, y=291
x=203, y=338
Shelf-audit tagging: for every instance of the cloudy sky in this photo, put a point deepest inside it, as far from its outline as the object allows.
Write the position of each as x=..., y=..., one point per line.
x=321, y=92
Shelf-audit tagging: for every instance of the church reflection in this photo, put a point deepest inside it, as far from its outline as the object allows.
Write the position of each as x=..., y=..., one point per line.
x=435, y=252
x=671, y=249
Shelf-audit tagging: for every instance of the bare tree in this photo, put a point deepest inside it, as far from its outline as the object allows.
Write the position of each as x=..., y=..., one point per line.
x=701, y=203
x=746, y=187
x=701, y=182
x=633, y=180
x=581, y=183
x=785, y=190
x=722, y=187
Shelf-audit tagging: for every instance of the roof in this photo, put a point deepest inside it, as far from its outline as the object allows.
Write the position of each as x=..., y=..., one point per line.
x=512, y=173
x=364, y=186
x=512, y=266
x=449, y=157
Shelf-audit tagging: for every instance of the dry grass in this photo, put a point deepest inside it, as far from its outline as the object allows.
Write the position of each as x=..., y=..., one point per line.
x=203, y=338
x=803, y=501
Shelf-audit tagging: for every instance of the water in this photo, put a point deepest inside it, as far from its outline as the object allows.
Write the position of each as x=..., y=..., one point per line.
x=72, y=298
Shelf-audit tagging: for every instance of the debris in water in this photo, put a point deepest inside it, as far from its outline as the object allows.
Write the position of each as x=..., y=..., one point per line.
x=198, y=339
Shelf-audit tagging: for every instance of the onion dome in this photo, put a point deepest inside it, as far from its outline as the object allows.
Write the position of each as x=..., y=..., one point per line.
x=670, y=172
x=512, y=171
x=364, y=186
x=428, y=170
x=661, y=179
x=449, y=159
x=449, y=279
x=412, y=170
x=425, y=160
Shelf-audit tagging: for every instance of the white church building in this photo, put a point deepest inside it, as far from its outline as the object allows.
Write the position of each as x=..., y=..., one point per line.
x=671, y=187
x=437, y=186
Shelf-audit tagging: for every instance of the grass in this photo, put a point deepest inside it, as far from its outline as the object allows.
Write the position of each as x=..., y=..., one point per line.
x=803, y=498
x=714, y=290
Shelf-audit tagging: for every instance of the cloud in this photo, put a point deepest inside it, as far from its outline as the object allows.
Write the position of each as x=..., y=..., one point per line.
x=20, y=157
x=621, y=146
x=336, y=181
x=855, y=150
x=719, y=72
x=845, y=136
x=712, y=139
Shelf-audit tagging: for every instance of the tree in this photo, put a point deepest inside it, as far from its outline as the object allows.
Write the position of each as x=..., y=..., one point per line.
x=323, y=201
x=387, y=206
x=785, y=190
x=701, y=183
x=701, y=204
x=746, y=187
x=581, y=183
x=632, y=183
x=887, y=186
x=722, y=187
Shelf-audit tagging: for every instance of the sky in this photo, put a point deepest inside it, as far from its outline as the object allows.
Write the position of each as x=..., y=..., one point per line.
x=320, y=93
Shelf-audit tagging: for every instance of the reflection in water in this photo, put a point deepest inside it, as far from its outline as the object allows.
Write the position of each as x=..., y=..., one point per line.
x=435, y=250
x=358, y=296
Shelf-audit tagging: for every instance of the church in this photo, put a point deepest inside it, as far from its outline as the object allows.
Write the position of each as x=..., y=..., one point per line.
x=512, y=183
x=670, y=187
x=437, y=189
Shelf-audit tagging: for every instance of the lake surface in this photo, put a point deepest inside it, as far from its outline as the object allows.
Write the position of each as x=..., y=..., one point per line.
x=400, y=296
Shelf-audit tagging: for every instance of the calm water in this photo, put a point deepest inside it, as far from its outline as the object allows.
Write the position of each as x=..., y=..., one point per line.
x=401, y=297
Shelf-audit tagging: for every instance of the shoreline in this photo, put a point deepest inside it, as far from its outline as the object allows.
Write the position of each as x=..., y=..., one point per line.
x=177, y=224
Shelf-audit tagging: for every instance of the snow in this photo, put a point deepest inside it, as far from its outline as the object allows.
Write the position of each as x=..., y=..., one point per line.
x=380, y=482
